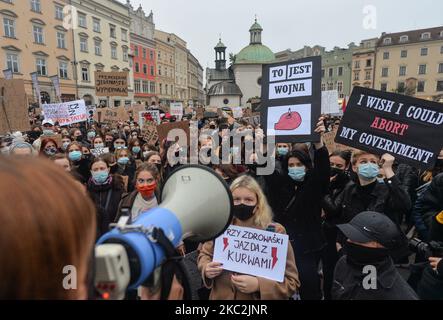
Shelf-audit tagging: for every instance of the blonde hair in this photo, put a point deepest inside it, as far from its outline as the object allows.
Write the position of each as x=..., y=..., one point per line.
x=263, y=215
x=357, y=154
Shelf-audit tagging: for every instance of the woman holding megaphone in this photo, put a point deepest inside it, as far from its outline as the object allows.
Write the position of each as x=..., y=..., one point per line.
x=251, y=210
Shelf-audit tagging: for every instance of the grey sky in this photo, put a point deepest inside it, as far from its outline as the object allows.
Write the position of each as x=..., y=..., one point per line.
x=286, y=23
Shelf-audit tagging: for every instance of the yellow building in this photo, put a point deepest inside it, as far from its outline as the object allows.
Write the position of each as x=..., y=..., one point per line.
x=363, y=64
x=33, y=39
x=165, y=67
x=102, y=43
x=411, y=62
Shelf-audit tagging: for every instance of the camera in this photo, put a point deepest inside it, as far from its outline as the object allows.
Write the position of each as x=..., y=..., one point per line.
x=431, y=249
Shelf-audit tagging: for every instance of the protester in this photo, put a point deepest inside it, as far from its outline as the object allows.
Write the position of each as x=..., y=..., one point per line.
x=48, y=132
x=62, y=161
x=250, y=210
x=48, y=148
x=21, y=149
x=106, y=191
x=134, y=146
x=79, y=163
x=371, y=236
x=66, y=140
x=98, y=143
x=126, y=166
x=40, y=241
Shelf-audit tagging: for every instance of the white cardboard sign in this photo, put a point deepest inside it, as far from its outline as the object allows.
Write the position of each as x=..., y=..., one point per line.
x=66, y=113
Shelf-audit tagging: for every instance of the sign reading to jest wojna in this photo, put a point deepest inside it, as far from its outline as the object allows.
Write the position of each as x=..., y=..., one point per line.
x=252, y=251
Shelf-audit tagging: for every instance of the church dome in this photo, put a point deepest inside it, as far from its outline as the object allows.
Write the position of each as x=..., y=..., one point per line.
x=225, y=88
x=255, y=53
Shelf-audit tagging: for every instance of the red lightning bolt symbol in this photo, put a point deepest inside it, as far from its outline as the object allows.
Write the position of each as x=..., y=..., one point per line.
x=226, y=243
x=274, y=257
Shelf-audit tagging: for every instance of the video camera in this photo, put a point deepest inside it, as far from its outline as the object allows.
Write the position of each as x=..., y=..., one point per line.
x=431, y=249
x=196, y=205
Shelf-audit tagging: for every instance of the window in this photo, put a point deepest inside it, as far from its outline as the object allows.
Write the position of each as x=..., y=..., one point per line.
x=368, y=75
x=323, y=86
x=82, y=20
x=59, y=12
x=137, y=67
x=161, y=89
x=340, y=71
x=85, y=74
x=98, y=48
x=41, y=67
x=83, y=44
x=426, y=36
x=12, y=62
x=331, y=72
x=36, y=6
x=439, y=85
x=112, y=31
x=322, y=73
x=38, y=34
x=340, y=86
x=387, y=41
x=125, y=54
x=159, y=70
x=401, y=87
x=166, y=88
x=61, y=43
x=422, y=69
x=151, y=54
x=441, y=49
x=421, y=86
x=145, y=69
x=440, y=68
x=124, y=35
x=330, y=86
x=368, y=63
x=152, y=71
x=404, y=53
x=384, y=72
x=63, y=69
x=385, y=55
x=137, y=86
x=159, y=55
x=96, y=25
x=384, y=87
x=9, y=27
x=136, y=51
x=357, y=64
x=356, y=75
x=144, y=53
x=113, y=52
x=402, y=71
x=404, y=38
x=152, y=87
x=145, y=86
x=424, y=51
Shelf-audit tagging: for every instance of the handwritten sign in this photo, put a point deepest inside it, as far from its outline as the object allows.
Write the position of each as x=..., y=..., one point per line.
x=380, y=122
x=13, y=106
x=110, y=84
x=177, y=110
x=237, y=112
x=149, y=133
x=150, y=115
x=252, y=251
x=329, y=102
x=165, y=128
x=66, y=113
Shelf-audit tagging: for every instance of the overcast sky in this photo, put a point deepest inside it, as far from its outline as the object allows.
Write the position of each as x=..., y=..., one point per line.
x=286, y=23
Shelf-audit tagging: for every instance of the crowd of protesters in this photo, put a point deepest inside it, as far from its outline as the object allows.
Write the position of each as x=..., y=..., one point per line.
x=342, y=209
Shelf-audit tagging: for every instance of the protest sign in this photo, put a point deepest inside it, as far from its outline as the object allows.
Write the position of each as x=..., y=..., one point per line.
x=114, y=114
x=252, y=251
x=329, y=102
x=134, y=111
x=150, y=115
x=291, y=100
x=149, y=133
x=110, y=84
x=164, y=129
x=91, y=110
x=56, y=83
x=97, y=152
x=177, y=110
x=66, y=113
x=237, y=112
x=13, y=106
x=379, y=122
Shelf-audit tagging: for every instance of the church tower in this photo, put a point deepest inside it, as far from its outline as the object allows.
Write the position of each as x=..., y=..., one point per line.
x=220, y=56
x=255, y=32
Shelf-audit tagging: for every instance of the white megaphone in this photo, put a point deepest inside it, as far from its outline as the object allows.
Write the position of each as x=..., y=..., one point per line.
x=196, y=204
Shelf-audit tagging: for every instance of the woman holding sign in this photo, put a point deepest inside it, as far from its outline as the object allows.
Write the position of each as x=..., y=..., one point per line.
x=251, y=210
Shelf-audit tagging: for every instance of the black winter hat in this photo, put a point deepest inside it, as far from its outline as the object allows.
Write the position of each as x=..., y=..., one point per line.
x=304, y=158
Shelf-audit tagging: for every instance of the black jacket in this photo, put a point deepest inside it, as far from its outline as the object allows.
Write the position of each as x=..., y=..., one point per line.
x=128, y=171
x=388, y=198
x=82, y=168
x=300, y=204
x=106, y=209
x=431, y=201
x=349, y=281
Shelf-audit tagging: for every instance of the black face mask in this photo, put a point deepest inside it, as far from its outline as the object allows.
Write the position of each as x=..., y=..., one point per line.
x=159, y=166
x=341, y=178
x=359, y=255
x=113, y=169
x=79, y=138
x=336, y=171
x=439, y=164
x=243, y=212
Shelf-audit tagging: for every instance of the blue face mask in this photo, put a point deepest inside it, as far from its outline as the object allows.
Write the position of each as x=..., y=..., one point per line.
x=48, y=132
x=91, y=135
x=136, y=149
x=75, y=155
x=368, y=171
x=297, y=173
x=118, y=146
x=123, y=160
x=100, y=177
x=99, y=145
x=282, y=151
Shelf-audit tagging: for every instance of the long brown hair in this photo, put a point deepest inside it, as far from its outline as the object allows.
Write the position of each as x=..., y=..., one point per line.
x=47, y=224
